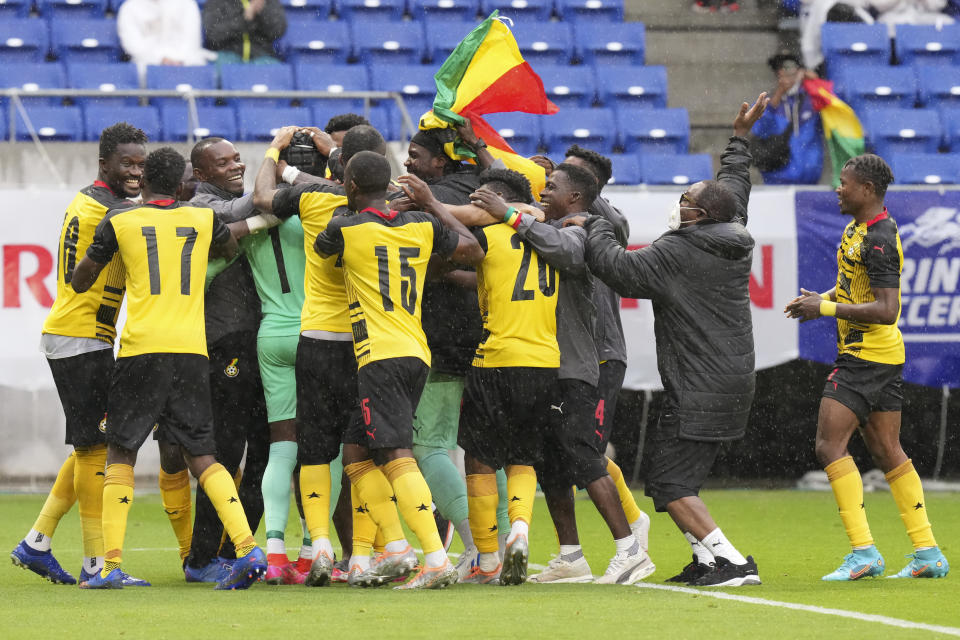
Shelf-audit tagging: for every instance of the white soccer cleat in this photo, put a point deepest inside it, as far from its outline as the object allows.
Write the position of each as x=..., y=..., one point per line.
x=627, y=568
x=561, y=571
x=641, y=530
x=467, y=561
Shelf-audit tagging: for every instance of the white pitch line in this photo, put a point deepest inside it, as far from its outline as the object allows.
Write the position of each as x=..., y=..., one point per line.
x=853, y=615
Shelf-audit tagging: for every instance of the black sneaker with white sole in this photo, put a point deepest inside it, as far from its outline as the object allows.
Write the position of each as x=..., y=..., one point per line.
x=692, y=572
x=727, y=574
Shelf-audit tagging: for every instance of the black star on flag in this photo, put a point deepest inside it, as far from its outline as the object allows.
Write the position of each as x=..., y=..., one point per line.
x=125, y=500
x=422, y=507
x=918, y=506
x=314, y=494
x=233, y=499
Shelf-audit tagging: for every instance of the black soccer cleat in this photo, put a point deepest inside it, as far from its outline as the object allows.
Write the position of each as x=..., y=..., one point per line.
x=727, y=574
x=692, y=572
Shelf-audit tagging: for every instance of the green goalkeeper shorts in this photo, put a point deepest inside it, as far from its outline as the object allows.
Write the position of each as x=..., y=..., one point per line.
x=277, y=356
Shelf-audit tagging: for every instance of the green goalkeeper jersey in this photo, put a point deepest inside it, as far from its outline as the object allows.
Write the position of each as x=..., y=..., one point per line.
x=277, y=261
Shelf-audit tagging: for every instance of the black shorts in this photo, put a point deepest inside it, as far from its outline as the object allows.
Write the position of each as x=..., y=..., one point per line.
x=678, y=467
x=327, y=401
x=571, y=445
x=505, y=413
x=172, y=389
x=389, y=391
x=82, y=384
x=864, y=387
x=612, y=373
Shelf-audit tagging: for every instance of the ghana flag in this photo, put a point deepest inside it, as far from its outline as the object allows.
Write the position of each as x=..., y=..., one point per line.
x=486, y=74
x=840, y=124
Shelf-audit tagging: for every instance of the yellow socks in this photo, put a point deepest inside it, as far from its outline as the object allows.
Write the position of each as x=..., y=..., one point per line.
x=482, y=498
x=847, y=488
x=413, y=502
x=521, y=490
x=59, y=500
x=908, y=494
x=176, y=496
x=315, y=495
x=220, y=488
x=376, y=493
x=627, y=501
x=364, y=528
x=117, y=498
x=88, y=477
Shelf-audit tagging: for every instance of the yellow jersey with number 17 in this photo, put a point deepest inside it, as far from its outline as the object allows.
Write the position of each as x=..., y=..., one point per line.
x=164, y=246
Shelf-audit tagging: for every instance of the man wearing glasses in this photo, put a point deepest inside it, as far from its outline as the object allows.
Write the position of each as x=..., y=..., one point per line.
x=697, y=276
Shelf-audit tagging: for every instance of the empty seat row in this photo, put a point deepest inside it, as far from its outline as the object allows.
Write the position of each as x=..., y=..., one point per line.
x=926, y=168
x=878, y=85
x=891, y=130
x=850, y=45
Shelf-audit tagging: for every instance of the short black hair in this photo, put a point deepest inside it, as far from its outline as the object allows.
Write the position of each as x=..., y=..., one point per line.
x=117, y=134
x=717, y=201
x=873, y=169
x=599, y=164
x=344, y=122
x=513, y=185
x=777, y=61
x=582, y=180
x=196, y=154
x=163, y=170
x=370, y=171
x=361, y=137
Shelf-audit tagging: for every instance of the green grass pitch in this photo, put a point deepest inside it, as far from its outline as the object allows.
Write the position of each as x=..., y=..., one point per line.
x=795, y=537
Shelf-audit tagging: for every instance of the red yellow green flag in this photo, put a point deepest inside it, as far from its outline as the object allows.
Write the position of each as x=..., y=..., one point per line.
x=840, y=124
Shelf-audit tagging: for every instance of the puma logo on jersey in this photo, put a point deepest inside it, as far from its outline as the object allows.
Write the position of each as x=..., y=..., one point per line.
x=558, y=408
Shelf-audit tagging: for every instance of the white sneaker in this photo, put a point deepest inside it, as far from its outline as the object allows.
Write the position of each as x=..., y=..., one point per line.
x=627, y=568
x=467, y=561
x=559, y=570
x=641, y=530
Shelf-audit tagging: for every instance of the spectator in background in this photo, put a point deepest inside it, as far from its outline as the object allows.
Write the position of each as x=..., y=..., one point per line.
x=814, y=13
x=243, y=31
x=161, y=32
x=786, y=143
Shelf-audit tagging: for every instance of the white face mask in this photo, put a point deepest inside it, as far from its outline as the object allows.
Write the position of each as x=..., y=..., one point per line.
x=673, y=219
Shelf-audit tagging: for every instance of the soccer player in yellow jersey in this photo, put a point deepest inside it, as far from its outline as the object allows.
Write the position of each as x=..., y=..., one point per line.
x=384, y=255
x=864, y=390
x=161, y=372
x=78, y=344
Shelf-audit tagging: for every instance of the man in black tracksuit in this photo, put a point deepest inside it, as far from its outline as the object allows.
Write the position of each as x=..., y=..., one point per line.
x=697, y=277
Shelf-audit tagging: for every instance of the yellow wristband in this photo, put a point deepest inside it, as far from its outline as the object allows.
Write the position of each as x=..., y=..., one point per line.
x=273, y=154
x=825, y=296
x=828, y=308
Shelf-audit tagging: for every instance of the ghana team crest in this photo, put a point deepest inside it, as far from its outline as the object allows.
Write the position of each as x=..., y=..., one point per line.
x=232, y=369
x=103, y=424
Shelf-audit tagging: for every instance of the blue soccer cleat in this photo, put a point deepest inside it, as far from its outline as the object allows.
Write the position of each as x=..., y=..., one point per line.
x=127, y=580
x=216, y=571
x=245, y=571
x=114, y=580
x=859, y=563
x=928, y=563
x=41, y=563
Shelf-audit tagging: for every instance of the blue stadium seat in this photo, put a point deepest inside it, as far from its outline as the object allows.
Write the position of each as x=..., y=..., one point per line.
x=261, y=123
x=415, y=82
x=656, y=131
x=626, y=169
x=15, y=9
x=902, y=130
x=383, y=120
x=306, y=10
x=628, y=86
x=182, y=79
x=385, y=42
x=52, y=123
x=324, y=41
x=679, y=169
x=70, y=9
x=259, y=79
x=98, y=118
x=363, y=10
x=211, y=121
x=520, y=10
x=611, y=43
x=938, y=85
x=950, y=117
x=4, y=123
x=879, y=86
x=846, y=44
x=548, y=42
x=85, y=40
x=106, y=77
x=23, y=40
x=581, y=11
x=30, y=76
x=522, y=131
x=443, y=36
x=927, y=44
x=926, y=168
x=593, y=128
x=444, y=10
x=334, y=78
x=568, y=86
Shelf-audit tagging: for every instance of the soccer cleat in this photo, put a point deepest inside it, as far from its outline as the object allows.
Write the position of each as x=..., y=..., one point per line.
x=245, y=571
x=560, y=571
x=928, y=563
x=444, y=528
x=303, y=564
x=467, y=561
x=476, y=575
x=514, y=564
x=114, y=580
x=432, y=578
x=859, y=563
x=386, y=567
x=41, y=563
x=692, y=572
x=727, y=574
x=341, y=571
x=641, y=530
x=353, y=576
x=321, y=571
x=215, y=571
x=627, y=568
x=128, y=580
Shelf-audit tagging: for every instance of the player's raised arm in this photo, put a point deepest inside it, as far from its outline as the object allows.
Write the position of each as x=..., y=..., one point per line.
x=468, y=250
x=265, y=186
